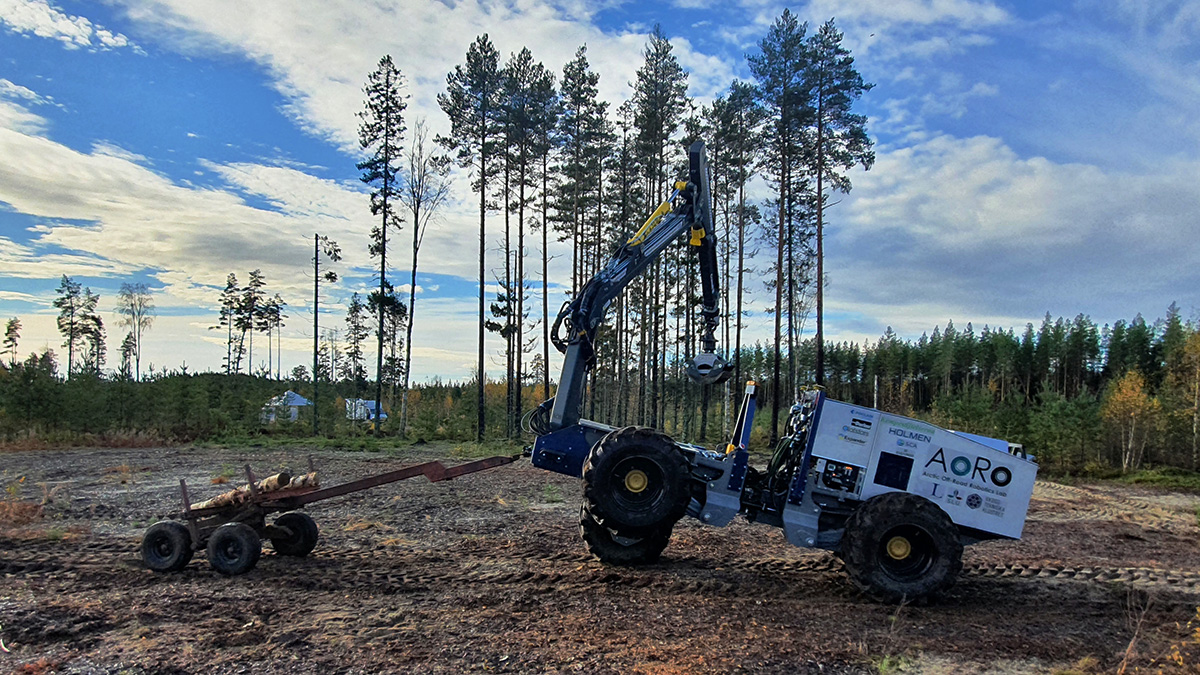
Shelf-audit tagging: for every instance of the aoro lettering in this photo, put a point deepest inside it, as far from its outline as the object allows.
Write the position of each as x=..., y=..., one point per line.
x=981, y=469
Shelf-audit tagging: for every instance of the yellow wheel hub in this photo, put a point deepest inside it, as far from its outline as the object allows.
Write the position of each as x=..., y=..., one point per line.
x=636, y=481
x=898, y=548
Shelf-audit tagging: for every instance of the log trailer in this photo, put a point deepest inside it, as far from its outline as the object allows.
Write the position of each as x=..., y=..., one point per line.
x=895, y=498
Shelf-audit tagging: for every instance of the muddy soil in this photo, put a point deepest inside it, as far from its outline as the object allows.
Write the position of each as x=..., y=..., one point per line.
x=487, y=573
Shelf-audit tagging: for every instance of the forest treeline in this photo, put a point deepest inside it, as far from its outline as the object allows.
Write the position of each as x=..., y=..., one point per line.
x=1083, y=398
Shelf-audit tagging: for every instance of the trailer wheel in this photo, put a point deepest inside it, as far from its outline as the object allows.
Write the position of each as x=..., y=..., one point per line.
x=234, y=548
x=636, y=482
x=167, y=546
x=899, y=547
x=618, y=550
x=304, y=534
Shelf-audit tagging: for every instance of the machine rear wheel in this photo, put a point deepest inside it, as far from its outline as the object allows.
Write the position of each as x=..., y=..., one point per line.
x=167, y=546
x=234, y=548
x=636, y=482
x=304, y=534
x=618, y=550
x=899, y=547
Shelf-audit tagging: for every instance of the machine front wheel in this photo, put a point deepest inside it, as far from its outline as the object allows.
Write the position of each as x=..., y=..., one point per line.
x=899, y=547
x=167, y=546
x=303, y=537
x=234, y=548
x=617, y=550
x=636, y=482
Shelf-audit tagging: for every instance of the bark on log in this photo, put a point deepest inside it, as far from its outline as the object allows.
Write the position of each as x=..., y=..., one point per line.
x=307, y=480
x=242, y=494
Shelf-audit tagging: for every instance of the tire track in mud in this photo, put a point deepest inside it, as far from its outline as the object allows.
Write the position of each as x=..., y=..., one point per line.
x=1140, y=510
x=100, y=564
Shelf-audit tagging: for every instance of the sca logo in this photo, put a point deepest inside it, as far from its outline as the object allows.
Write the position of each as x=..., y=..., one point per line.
x=980, y=469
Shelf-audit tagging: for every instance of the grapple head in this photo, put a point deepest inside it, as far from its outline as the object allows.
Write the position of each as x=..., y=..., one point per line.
x=709, y=368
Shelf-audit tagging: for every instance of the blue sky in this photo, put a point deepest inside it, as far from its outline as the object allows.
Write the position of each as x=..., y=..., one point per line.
x=1031, y=157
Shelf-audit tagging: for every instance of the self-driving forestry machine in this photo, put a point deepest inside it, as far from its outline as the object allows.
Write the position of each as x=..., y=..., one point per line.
x=895, y=498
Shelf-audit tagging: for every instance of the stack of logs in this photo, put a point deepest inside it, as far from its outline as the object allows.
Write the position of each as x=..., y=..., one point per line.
x=280, y=481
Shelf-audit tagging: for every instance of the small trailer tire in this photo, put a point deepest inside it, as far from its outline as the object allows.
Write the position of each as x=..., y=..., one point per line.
x=234, y=548
x=304, y=534
x=636, y=482
x=167, y=546
x=900, y=547
x=617, y=550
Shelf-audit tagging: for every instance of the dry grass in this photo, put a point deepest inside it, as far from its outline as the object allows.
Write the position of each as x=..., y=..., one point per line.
x=42, y=665
x=361, y=525
x=1137, y=605
x=1084, y=666
x=122, y=473
x=34, y=442
x=16, y=514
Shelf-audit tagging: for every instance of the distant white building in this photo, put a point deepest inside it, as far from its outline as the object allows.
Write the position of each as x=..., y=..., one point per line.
x=285, y=406
x=363, y=410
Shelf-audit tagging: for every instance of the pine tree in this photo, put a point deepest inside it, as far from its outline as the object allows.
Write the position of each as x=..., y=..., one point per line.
x=623, y=202
x=92, y=334
x=659, y=100
x=544, y=142
x=274, y=317
x=839, y=140
x=779, y=70
x=381, y=134
x=736, y=119
x=527, y=114
x=71, y=309
x=393, y=313
x=356, y=334
x=248, y=317
x=229, y=300
x=128, y=354
x=472, y=102
x=12, y=334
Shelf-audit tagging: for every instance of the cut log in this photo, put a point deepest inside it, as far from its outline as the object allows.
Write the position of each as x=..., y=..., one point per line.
x=307, y=480
x=243, y=494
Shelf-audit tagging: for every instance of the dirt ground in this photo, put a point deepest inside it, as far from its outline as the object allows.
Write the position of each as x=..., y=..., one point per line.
x=487, y=573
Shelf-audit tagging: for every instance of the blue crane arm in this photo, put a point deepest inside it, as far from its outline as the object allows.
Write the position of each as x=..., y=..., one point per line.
x=689, y=210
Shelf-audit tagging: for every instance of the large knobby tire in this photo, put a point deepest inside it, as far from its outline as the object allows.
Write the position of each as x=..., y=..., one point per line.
x=303, y=538
x=167, y=546
x=618, y=550
x=899, y=547
x=636, y=482
x=234, y=548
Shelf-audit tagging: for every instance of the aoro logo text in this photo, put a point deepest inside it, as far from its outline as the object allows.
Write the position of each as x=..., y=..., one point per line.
x=981, y=469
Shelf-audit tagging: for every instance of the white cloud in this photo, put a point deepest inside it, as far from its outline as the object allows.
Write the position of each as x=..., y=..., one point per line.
x=16, y=296
x=1154, y=44
x=13, y=111
x=109, y=149
x=324, y=94
x=954, y=103
x=105, y=213
x=40, y=18
x=887, y=13
x=989, y=235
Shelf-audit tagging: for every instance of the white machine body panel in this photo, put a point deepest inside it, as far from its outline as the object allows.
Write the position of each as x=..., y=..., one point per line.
x=975, y=482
